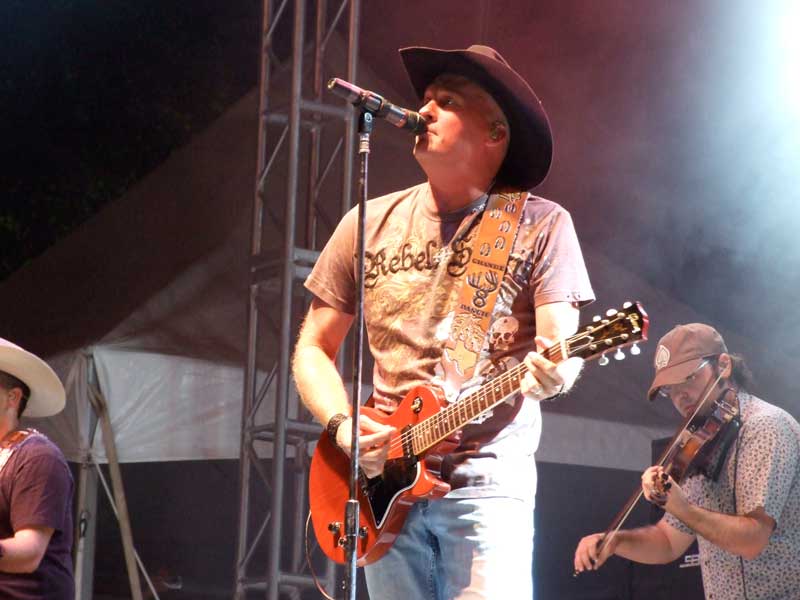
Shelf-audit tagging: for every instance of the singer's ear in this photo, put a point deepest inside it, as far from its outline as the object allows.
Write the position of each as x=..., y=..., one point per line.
x=724, y=365
x=497, y=131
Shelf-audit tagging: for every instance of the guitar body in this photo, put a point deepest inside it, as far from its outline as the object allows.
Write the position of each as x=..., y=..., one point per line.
x=384, y=501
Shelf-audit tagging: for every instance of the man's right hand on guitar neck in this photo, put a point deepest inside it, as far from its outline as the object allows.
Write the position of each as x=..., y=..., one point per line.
x=373, y=443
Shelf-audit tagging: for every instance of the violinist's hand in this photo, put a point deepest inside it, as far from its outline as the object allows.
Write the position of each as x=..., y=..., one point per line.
x=586, y=555
x=660, y=489
x=373, y=443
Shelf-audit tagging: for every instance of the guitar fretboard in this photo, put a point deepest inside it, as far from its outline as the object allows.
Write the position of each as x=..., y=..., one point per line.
x=436, y=428
x=620, y=328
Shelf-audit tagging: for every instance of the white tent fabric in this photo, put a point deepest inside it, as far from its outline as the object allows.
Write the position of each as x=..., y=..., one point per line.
x=161, y=407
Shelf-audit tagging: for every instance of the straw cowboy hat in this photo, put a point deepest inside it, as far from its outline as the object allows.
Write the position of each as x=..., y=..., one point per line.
x=530, y=151
x=47, y=393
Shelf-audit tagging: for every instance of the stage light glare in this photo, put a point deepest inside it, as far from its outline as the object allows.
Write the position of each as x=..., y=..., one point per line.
x=788, y=56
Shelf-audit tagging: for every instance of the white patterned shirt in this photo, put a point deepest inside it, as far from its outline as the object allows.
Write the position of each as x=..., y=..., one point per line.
x=762, y=469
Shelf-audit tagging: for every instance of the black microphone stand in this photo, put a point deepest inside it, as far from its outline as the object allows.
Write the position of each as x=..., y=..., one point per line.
x=352, y=527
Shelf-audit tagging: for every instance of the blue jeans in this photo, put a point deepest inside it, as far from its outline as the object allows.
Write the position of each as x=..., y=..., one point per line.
x=460, y=548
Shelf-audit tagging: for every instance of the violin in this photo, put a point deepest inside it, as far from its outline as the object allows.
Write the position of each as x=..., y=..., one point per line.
x=699, y=447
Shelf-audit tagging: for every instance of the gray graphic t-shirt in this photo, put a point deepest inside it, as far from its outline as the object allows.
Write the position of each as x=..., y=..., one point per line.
x=415, y=260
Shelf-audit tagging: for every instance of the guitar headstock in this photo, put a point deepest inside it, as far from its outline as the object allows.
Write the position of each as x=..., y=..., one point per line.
x=617, y=329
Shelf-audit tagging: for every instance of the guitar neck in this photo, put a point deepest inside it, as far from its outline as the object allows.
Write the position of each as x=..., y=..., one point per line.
x=620, y=328
x=454, y=417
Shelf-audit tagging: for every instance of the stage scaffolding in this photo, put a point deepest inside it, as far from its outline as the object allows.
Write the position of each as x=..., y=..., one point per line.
x=304, y=173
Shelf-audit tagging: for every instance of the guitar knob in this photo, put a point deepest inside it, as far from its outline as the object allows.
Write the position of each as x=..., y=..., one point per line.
x=362, y=532
x=595, y=318
x=603, y=361
x=619, y=354
x=611, y=312
x=335, y=526
x=627, y=304
x=635, y=350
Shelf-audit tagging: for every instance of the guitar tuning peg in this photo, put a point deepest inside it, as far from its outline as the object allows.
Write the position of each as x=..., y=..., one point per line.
x=611, y=312
x=595, y=318
x=635, y=350
x=619, y=354
x=627, y=304
x=603, y=361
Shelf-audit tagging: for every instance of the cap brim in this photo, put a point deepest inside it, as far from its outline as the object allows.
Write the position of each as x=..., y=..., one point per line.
x=674, y=374
x=530, y=151
x=47, y=392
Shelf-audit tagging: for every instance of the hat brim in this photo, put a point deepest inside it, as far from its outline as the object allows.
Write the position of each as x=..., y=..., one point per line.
x=674, y=374
x=530, y=151
x=47, y=392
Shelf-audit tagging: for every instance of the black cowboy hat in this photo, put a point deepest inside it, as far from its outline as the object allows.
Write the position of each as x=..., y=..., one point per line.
x=531, y=149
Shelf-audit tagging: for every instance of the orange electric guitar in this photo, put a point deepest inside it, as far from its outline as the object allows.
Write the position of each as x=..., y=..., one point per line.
x=426, y=425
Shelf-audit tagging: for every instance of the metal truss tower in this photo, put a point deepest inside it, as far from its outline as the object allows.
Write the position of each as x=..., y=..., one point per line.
x=305, y=140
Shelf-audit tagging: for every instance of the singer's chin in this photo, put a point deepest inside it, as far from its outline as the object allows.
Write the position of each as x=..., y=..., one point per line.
x=426, y=158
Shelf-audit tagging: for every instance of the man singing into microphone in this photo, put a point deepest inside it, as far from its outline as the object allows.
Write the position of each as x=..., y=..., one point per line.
x=435, y=317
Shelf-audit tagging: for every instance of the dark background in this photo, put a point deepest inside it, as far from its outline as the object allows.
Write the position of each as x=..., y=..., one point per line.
x=94, y=95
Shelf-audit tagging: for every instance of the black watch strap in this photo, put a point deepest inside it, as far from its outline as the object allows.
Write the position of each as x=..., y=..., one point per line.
x=333, y=426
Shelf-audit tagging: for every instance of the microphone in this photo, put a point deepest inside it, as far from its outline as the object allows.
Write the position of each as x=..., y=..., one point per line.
x=399, y=117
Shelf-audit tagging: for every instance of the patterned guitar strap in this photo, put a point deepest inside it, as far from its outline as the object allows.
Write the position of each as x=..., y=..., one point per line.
x=491, y=249
x=13, y=442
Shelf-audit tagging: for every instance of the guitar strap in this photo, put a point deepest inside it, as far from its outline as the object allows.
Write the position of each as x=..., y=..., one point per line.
x=491, y=249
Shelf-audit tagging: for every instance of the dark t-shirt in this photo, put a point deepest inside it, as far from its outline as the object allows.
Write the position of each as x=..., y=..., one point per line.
x=36, y=490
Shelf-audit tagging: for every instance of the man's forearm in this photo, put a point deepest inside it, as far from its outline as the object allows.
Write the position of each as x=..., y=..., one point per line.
x=742, y=535
x=23, y=552
x=645, y=545
x=319, y=383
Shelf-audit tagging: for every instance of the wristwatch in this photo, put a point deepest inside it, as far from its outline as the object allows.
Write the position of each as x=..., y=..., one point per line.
x=333, y=426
